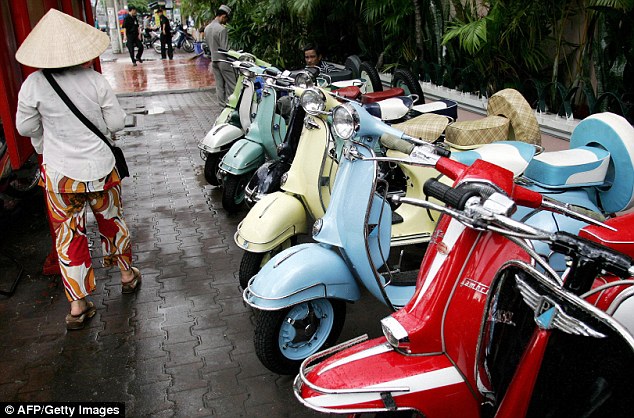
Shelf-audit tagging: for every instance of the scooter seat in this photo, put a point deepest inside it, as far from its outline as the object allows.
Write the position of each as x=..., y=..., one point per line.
x=582, y=166
x=428, y=126
x=349, y=92
x=440, y=107
x=512, y=155
x=472, y=133
x=391, y=109
x=377, y=96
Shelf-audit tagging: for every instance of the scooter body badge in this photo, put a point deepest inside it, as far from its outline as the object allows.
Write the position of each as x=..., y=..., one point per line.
x=475, y=285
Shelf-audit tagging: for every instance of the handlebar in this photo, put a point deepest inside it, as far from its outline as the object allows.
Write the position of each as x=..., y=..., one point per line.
x=612, y=261
x=481, y=207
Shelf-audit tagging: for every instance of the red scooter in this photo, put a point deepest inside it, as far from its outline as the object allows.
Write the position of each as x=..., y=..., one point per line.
x=492, y=330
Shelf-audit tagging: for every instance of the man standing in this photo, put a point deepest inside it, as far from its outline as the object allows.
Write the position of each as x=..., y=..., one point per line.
x=166, y=36
x=132, y=34
x=217, y=39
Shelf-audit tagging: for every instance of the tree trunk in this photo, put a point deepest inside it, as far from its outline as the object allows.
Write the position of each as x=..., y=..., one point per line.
x=418, y=29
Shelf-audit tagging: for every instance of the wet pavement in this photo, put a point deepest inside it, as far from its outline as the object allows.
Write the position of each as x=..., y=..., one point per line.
x=183, y=345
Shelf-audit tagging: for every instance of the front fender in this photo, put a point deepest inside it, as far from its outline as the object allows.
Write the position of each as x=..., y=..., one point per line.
x=242, y=157
x=363, y=375
x=300, y=273
x=219, y=137
x=274, y=219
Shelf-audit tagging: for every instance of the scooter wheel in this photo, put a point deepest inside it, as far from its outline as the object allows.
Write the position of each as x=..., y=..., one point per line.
x=408, y=82
x=188, y=46
x=371, y=76
x=156, y=44
x=251, y=263
x=233, y=192
x=211, y=169
x=283, y=339
x=353, y=63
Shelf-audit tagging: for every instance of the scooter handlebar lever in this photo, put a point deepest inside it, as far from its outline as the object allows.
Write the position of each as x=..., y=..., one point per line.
x=456, y=198
x=442, y=151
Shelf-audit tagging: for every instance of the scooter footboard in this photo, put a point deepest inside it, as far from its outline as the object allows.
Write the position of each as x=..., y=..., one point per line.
x=370, y=376
x=300, y=273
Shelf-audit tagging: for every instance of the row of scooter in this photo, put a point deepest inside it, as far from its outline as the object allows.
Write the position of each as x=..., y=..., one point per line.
x=522, y=303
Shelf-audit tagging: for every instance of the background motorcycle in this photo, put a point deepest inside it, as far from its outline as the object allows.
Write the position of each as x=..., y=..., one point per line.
x=149, y=36
x=180, y=39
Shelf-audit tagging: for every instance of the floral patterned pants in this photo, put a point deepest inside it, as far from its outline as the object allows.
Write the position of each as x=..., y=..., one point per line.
x=68, y=216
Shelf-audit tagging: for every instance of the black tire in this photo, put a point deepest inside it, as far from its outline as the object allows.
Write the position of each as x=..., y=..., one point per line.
x=24, y=181
x=233, y=192
x=371, y=75
x=211, y=168
x=251, y=263
x=156, y=45
x=353, y=63
x=267, y=334
x=188, y=46
x=407, y=81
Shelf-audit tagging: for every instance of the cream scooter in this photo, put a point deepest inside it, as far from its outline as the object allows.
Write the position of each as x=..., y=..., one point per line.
x=276, y=220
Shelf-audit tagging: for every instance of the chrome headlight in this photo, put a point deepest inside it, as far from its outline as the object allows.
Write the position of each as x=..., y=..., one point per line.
x=246, y=57
x=319, y=223
x=304, y=80
x=396, y=335
x=345, y=121
x=313, y=101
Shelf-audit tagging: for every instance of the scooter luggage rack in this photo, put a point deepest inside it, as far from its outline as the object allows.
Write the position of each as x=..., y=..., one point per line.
x=248, y=294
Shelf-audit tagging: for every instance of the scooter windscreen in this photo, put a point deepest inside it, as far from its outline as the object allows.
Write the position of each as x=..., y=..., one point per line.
x=588, y=359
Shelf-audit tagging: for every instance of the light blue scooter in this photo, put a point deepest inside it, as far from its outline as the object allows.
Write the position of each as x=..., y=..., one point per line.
x=301, y=293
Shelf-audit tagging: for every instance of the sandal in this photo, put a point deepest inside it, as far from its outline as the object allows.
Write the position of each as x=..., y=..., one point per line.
x=74, y=322
x=132, y=285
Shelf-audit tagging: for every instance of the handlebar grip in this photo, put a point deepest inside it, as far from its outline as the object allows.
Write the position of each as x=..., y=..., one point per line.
x=271, y=71
x=456, y=198
x=398, y=144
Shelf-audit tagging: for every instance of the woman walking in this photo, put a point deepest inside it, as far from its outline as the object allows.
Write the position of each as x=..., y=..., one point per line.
x=78, y=167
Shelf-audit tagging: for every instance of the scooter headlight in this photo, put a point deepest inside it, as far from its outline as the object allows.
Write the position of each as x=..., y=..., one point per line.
x=304, y=80
x=319, y=223
x=313, y=101
x=246, y=57
x=396, y=335
x=345, y=121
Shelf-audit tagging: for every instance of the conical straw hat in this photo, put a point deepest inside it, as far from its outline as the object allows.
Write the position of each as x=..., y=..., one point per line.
x=59, y=40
